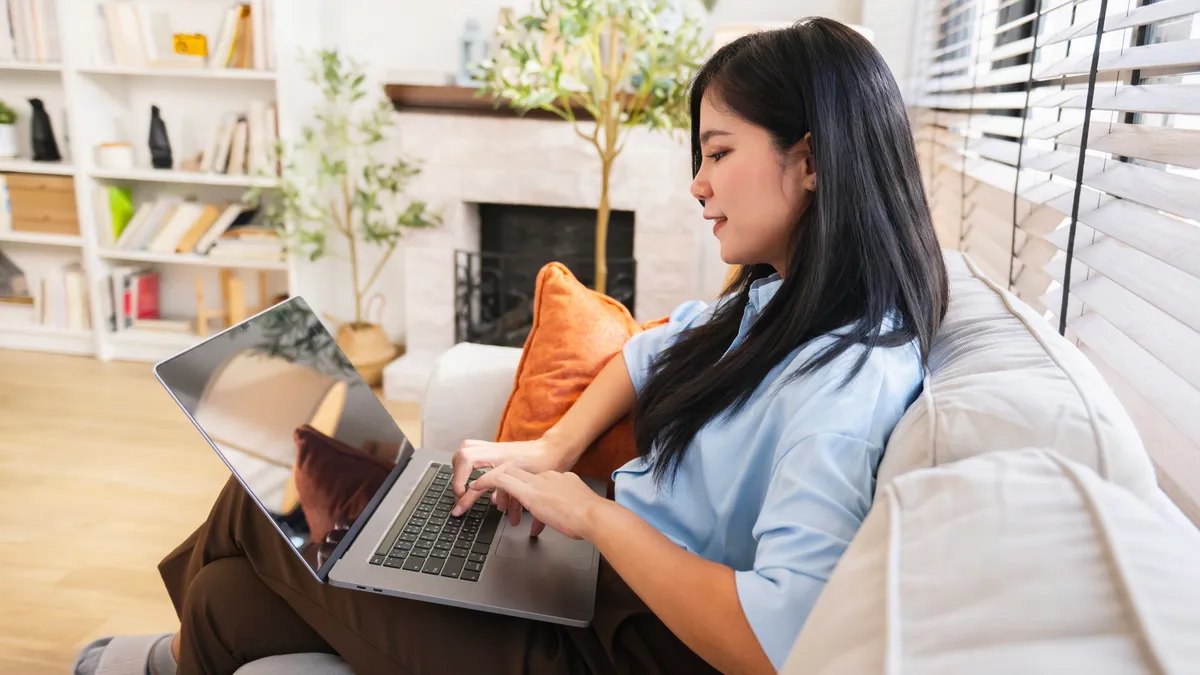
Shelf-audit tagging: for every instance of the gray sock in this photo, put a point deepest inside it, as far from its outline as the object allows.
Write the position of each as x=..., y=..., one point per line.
x=162, y=661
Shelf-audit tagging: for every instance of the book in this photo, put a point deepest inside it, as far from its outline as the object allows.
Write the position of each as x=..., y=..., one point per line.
x=221, y=55
x=167, y=238
x=237, y=152
x=199, y=228
x=8, y=48
x=134, y=296
x=5, y=206
x=75, y=283
x=114, y=211
x=258, y=29
x=159, y=215
x=232, y=213
x=165, y=325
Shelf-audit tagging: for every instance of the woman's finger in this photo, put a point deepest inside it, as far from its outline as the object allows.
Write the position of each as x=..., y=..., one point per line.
x=514, y=511
x=468, y=458
x=536, y=528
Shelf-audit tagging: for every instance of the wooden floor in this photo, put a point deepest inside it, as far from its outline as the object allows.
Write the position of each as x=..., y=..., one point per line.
x=100, y=476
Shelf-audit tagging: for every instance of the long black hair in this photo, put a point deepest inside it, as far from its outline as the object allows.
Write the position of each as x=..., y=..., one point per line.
x=864, y=250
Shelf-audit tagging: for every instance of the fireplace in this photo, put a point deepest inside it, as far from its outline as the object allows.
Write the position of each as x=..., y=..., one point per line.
x=494, y=287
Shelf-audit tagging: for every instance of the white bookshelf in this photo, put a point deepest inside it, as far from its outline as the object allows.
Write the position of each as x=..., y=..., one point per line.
x=67, y=240
x=183, y=73
x=90, y=103
x=30, y=66
x=30, y=166
x=184, y=177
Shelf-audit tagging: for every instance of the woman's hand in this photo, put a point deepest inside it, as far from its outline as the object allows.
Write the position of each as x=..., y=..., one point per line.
x=561, y=500
x=532, y=456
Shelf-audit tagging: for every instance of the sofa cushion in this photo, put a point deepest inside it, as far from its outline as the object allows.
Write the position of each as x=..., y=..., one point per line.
x=1001, y=377
x=1011, y=562
x=576, y=331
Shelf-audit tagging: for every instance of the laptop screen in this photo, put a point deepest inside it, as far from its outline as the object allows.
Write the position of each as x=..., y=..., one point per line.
x=291, y=417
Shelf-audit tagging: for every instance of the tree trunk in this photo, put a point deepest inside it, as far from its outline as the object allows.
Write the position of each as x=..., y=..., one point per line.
x=602, y=214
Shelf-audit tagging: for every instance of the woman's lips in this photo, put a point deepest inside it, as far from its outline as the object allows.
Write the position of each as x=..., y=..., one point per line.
x=717, y=224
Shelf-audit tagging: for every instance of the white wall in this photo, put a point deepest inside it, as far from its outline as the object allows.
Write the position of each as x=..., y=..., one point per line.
x=423, y=37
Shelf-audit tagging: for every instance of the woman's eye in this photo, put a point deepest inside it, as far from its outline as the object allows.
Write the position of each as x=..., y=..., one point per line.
x=716, y=156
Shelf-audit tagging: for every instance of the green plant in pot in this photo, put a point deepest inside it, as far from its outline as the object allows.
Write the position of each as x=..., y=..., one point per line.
x=8, y=131
x=343, y=182
x=605, y=66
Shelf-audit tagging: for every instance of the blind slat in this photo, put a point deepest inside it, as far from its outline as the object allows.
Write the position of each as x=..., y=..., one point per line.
x=1180, y=99
x=1013, y=100
x=1163, y=286
x=1170, y=394
x=1172, y=241
x=1166, y=54
x=1159, y=11
x=1180, y=147
x=1160, y=334
x=1162, y=190
x=1173, y=454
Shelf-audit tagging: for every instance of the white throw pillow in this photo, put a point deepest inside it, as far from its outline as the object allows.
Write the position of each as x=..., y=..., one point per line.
x=1011, y=562
x=1000, y=378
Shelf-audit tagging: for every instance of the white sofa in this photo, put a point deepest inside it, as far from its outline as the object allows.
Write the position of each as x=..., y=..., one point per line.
x=1017, y=524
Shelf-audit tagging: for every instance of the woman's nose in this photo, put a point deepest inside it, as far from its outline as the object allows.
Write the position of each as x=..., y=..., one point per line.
x=701, y=189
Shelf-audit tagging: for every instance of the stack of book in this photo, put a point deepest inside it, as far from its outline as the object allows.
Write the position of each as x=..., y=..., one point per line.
x=59, y=298
x=142, y=35
x=133, y=302
x=171, y=225
x=29, y=31
x=244, y=143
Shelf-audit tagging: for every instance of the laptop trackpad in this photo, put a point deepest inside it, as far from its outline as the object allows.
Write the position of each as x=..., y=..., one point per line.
x=548, y=548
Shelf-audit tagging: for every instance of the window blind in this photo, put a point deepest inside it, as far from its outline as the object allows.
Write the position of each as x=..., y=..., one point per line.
x=1061, y=149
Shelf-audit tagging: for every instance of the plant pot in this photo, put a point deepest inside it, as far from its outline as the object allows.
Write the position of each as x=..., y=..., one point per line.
x=8, y=140
x=368, y=348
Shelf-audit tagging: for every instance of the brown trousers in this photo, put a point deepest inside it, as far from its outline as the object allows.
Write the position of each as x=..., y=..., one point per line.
x=242, y=594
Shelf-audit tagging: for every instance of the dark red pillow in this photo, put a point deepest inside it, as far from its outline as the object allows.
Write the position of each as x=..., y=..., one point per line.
x=334, y=481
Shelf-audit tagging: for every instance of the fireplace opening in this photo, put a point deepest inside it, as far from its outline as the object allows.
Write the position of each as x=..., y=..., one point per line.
x=494, y=287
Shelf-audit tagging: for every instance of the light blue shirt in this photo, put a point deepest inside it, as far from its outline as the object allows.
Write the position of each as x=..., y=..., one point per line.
x=777, y=491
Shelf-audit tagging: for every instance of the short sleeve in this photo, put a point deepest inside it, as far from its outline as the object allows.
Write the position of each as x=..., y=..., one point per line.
x=641, y=349
x=818, y=495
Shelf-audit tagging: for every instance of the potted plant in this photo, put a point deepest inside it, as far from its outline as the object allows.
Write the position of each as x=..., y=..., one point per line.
x=337, y=185
x=606, y=66
x=8, y=131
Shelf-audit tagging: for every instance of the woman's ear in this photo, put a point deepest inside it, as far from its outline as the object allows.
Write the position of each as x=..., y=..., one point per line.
x=808, y=166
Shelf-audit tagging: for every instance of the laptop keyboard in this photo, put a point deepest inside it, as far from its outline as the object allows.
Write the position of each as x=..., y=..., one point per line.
x=425, y=538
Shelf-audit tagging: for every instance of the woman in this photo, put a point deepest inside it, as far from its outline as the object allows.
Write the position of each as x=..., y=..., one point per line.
x=760, y=420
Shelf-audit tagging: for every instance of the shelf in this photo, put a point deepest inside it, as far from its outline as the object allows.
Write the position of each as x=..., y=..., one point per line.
x=194, y=73
x=31, y=66
x=140, y=344
x=193, y=259
x=70, y=241
x=185, y=177
x=30, y=166
x=36, y=337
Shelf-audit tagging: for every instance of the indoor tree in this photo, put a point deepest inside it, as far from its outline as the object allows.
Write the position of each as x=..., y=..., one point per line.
x=342, y=180
x=605, y=66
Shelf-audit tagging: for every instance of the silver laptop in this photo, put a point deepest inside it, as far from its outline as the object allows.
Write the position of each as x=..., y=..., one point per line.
x=316, y=450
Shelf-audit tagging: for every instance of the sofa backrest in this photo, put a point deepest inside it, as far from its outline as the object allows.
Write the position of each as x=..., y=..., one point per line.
x=1001, y=377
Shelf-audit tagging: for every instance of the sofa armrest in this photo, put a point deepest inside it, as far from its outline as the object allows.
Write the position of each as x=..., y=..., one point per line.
x=466, y=395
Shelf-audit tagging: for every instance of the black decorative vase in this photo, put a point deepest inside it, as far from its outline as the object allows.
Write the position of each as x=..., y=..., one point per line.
x=45, y=148
x=160, y=145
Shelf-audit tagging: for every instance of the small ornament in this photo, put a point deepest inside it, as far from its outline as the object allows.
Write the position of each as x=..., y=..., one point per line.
x=160, y=145
x=472, y=50
x=41, y=132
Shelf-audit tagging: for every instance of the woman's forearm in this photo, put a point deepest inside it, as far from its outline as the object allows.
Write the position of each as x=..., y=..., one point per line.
x=696, y=598
x=608, y=399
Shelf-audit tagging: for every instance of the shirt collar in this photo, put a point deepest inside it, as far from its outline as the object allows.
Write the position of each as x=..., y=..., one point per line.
x=762, y=290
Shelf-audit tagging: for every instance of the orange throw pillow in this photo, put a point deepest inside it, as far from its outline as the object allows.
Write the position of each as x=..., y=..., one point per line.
x=335, y=481
x=576, y=331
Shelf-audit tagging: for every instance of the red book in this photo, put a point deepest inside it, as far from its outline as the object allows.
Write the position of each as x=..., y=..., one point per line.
x=141, y=296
